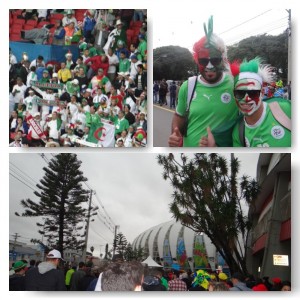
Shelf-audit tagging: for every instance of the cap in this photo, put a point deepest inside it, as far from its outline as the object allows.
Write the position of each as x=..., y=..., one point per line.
x=133, y=56
x=54, y=75
x=75, y=81
x=121, y=74
x=54, y=254
x=19, y=265
x=36, y=114
x=46, y=71
x=141, y=36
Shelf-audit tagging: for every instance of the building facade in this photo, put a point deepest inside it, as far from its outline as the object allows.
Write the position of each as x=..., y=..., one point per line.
x=269, y=244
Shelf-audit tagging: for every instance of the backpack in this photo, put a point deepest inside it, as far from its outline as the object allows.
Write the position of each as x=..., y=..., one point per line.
x=278, y=114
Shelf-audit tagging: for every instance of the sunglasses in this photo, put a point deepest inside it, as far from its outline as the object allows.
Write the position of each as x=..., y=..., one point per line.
x=240, y=94
x=215, y=61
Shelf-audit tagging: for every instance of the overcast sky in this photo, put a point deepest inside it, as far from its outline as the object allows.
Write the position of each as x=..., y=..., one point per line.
x=183, y=26
x=129, y=186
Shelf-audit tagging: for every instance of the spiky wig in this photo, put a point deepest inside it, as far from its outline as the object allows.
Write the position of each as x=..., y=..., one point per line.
x=262, y=72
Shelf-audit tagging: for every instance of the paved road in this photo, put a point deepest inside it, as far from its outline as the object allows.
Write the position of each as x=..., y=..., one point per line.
x=162, y=119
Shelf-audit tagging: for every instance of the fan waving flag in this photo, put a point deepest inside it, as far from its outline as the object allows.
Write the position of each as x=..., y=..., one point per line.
x=101, y=131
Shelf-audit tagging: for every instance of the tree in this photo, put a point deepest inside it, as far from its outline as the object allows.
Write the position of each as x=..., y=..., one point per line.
x=172, y=62
x=120, y=243
x=273, y=50
x=207, y=198
x=60, y=203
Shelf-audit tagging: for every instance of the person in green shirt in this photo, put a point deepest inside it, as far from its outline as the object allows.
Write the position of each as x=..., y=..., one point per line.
x=264, y=123
x=124, y=62
x=212, y=103
x=142, y=47
x=120, y=122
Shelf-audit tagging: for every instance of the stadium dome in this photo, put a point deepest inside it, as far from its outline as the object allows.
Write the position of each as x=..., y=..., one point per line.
x=174, y=245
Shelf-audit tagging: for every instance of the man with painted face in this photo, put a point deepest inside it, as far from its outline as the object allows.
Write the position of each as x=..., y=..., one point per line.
x=211, y=105
x=264, y=123
x=267, y=123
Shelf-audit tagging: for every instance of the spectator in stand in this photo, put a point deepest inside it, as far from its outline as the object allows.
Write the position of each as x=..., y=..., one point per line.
x=88, y=24
x=38, y=62
x=18, y=92
x=31, y=76
x=115, y=35
x=133, y=66
x=113, y=62
x=59, y=34
x=95, y=63
x=121, y=48
x=69, y=18
x=134, y=51
x=100, y=80
x=69, y=62
x=140, y=80
x=142, y=47
x=82, y=78
x=101, y=34
x=124, y=63
x=64, y=74
x=70, y=30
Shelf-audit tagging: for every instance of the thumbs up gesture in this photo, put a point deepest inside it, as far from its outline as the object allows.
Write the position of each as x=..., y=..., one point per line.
x=175, y=139
x=209, y=140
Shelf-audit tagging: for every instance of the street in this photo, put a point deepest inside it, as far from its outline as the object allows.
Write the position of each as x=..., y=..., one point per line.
x=162, y=119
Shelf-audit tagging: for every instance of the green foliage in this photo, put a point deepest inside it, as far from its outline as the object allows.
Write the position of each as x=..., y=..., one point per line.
x=208, y=198
x=60, y=202
x=272, y=49
x=173, y=62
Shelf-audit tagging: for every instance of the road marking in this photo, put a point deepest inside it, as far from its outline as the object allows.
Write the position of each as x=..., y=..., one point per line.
x=164, y=108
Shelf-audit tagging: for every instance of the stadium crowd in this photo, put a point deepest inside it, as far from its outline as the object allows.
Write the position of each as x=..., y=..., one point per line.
x=97, y=100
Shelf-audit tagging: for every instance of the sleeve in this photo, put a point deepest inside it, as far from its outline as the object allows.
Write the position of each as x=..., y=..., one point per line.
x=61, y=35
x=182, y=95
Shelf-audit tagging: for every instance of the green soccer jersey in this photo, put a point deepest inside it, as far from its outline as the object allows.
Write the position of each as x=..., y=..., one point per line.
x=267, y=132
x=212, y=106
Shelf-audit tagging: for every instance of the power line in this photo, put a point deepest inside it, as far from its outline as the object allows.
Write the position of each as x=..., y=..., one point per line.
x=22, y=182
x=245, y=22
x=23, y=172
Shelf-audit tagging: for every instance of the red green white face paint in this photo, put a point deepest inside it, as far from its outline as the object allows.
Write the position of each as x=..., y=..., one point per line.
x=248, y=95
x=210, y=64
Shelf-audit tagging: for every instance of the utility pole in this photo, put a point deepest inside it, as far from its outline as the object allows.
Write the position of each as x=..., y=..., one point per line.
x=114, y=244
x=16, y=236
x=289, y=32
x=87, y=227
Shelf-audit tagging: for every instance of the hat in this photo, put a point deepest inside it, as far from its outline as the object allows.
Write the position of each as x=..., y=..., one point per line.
x=222, y=276
x=100, y=70
x=120, y=42
x=141, y=36
x=54, y=75
x=119, y=22
x=121, y=73
x=69, y=12
x=276, y=280
x=133, y=56
x=88, y=90
x=69, y=54
x=260, y=288
x=36, y=114
x=46, y=71
x=18, y=265
x=49, y=144
x=54, y=254
x=75, y=81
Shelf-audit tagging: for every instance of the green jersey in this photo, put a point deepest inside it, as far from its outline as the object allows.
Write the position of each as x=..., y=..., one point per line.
x=212, y=106
x=267, y=132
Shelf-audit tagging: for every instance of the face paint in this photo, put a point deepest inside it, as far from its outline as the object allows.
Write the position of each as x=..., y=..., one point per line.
x=248, y=95
x=210, y=64
x=248, y=104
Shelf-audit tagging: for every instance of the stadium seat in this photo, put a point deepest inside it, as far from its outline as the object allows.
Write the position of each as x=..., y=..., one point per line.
x=18, y=21
x=16, y=28
x=28, y=26
x=15, y=37
x=32, y=22
x=57, y=16
x=41, y=24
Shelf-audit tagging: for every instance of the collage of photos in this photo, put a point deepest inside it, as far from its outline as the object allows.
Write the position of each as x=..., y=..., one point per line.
x=85, y=219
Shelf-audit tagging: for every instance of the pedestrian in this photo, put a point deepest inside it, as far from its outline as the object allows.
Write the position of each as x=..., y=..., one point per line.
x=47, y=276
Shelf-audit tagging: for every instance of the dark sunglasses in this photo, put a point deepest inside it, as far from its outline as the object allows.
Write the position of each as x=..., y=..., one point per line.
x=240, y=94
x=215, y=61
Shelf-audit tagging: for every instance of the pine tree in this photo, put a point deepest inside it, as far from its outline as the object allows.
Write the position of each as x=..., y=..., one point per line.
x=208, y=198
x=61, y=198
x=120, y=243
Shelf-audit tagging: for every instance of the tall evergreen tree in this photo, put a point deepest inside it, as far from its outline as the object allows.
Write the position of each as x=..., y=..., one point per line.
x=61, y=198
x=208, y=198
x=120, y=243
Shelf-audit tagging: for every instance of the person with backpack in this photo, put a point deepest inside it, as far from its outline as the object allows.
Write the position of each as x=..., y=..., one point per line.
x=264, y=123
x=205, y=100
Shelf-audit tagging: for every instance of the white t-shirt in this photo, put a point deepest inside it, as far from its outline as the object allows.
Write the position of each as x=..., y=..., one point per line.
x=112, y=60
x=53, y=132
